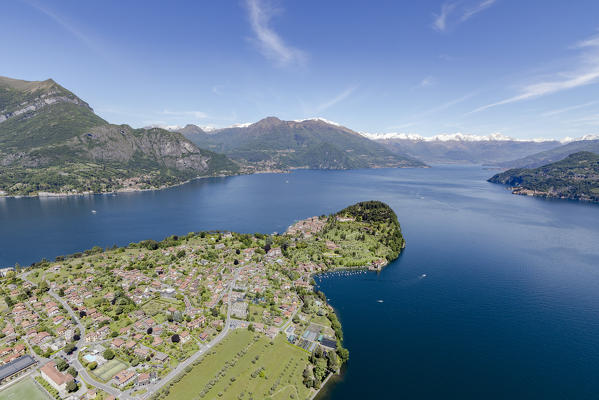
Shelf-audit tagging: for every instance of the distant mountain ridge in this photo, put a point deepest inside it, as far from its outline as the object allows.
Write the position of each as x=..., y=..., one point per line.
x=314, y=143
x=588, y=144
x=51, y=141
x=574, y=177
x=464, y=149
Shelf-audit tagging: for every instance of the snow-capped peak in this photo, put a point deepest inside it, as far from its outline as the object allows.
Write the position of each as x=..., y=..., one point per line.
x=461, y=137
x=243, y=125
x=569, y=139
x=442, y=137
x=318, y=119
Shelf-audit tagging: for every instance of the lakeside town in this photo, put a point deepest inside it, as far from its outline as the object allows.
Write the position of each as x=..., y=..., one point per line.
x=205, y=314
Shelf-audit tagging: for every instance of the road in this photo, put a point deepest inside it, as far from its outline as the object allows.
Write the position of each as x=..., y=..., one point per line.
x=153, y=388
x=75, y=355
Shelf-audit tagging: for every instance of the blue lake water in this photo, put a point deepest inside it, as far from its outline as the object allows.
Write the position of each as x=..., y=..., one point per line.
x=509, y=306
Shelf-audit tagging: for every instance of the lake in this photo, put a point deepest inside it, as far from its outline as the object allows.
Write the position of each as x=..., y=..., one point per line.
x=495, y=296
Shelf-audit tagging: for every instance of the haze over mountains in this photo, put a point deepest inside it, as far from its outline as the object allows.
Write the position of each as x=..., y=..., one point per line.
x=495, y=149
x=590, y=144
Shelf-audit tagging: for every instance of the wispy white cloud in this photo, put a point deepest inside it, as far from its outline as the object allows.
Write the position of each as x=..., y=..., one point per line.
x=434, y=110
x=194, y=114
x=440, y=21
x=469, y=12
x=566, y=109
x=447, y=104
x=428, y=81
x=64, y=23
x=270, y=42
x=586, y=73
x=337, y=99
x=454, y=13
x=590, y=42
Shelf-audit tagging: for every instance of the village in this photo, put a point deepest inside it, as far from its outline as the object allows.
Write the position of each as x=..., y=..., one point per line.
x=123, y=322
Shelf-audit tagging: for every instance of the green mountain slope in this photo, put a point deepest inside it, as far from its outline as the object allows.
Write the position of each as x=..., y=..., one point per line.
x=575, y=177
x=553, y=155
x=51, y=141
x=274, y=144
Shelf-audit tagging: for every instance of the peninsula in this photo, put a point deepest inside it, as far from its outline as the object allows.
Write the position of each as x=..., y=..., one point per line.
x=576, y=177
x=205, y=315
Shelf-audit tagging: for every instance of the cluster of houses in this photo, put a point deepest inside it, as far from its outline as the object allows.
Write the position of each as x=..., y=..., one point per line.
x=39, y=322
x=307, y=227
x=194, y=285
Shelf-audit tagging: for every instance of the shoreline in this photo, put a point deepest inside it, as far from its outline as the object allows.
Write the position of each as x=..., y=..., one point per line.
x=373, y=267
x=46, y=195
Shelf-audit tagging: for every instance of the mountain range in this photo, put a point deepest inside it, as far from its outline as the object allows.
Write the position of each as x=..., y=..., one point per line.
x=52, y=141
x=273, y=144
x=590, y=144
x=492, y=150
x=574, y=177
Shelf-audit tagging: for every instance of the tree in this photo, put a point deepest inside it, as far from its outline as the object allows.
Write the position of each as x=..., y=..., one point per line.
x=72, y=386
x=251, y=328
x=175, y=338
x=333, y=360
x=149, y=331
x=72, y=371
x=267, y=244
x=343, y=353
x=61, y=364
x=108, y=354
x=69, y=348
x=92, y=365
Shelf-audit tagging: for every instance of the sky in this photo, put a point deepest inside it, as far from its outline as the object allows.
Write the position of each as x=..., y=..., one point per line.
x=525, y=69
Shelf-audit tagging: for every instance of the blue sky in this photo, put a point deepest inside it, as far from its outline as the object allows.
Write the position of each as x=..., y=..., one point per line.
x=520, y=68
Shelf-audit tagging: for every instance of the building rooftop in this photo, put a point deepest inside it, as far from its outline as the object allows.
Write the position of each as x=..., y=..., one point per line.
x=15, y=366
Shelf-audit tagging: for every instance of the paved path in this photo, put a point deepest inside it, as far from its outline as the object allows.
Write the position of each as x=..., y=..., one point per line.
x=155, y=387
x=181, y=367
x=75, y=356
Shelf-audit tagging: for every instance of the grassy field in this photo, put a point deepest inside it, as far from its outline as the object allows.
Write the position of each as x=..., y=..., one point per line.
x=108, y=370
x=157, y=306
x=246, y=366
x=24, y=390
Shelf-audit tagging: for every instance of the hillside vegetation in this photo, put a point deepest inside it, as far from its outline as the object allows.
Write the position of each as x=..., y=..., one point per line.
x=272, y=144
x=575, y=177
x=52, y=141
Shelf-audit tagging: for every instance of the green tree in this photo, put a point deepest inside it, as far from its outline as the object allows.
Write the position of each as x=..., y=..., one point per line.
x=108, y=354
x=72, y=386
x=61, y=364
